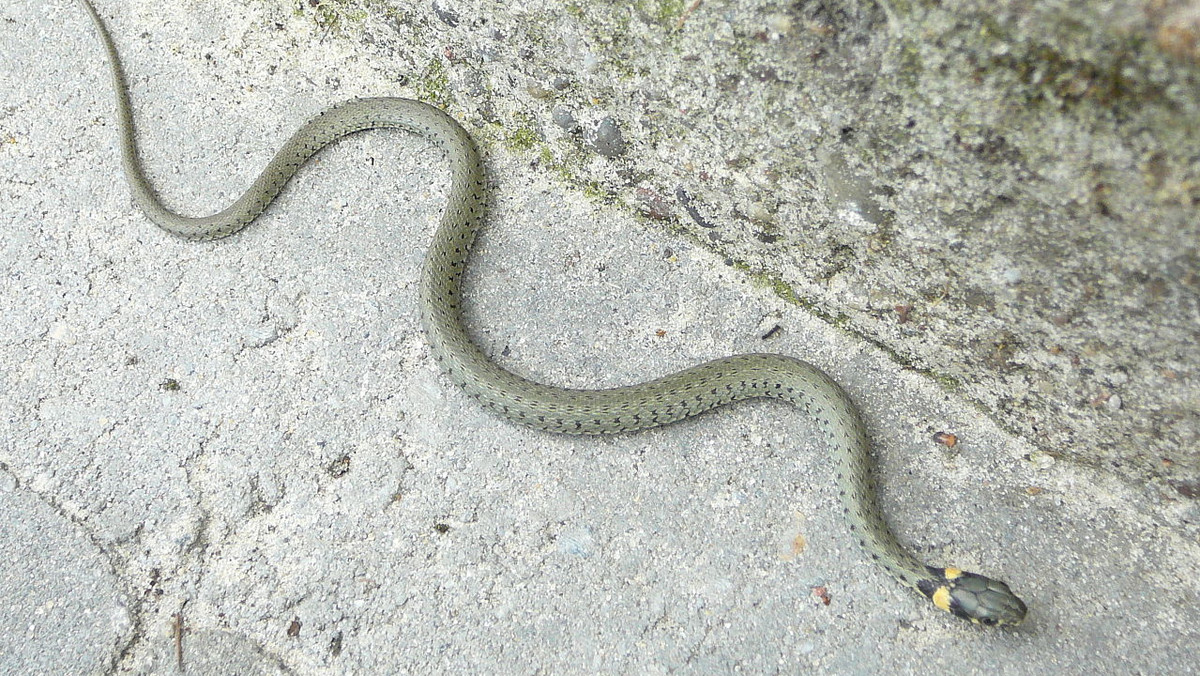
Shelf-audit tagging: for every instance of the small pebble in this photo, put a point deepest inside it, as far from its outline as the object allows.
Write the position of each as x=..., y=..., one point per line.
x=564, y=119
x=607, y=139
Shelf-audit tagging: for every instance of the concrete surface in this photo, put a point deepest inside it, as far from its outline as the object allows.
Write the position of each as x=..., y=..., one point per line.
x=250, y=434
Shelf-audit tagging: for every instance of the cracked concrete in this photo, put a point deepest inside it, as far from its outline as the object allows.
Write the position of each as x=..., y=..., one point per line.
x=250, y=434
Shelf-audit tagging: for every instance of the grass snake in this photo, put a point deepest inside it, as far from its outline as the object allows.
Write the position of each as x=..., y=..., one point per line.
x=555, y=409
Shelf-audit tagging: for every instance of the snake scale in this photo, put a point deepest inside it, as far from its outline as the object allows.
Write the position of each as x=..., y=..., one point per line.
x=555, y=409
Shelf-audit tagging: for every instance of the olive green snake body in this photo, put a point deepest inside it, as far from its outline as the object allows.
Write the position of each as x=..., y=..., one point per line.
x=555, y=409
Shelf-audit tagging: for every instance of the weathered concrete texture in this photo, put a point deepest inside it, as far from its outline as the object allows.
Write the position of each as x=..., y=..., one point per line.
x=212, y=652
x=1025, y=176
x=251, y=433
x=60, y=608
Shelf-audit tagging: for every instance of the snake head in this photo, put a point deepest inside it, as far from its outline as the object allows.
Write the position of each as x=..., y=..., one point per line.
x=973, y=597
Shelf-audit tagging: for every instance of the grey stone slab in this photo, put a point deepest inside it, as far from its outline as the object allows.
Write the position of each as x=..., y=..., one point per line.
x=62, y=610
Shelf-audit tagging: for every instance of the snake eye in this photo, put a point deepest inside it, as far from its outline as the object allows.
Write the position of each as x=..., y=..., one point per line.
x=987, y=621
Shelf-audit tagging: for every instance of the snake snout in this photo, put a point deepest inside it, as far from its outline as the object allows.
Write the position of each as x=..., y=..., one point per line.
x=984, y=600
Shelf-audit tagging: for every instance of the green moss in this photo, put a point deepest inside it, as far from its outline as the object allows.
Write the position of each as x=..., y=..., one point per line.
x=344, y=16
x=522, y=139
x=910, y=65
x=575, y=9
x=337, y=15
x=783, y=290
x=948, y=382
x=596, y=190
x=559, y=167
x=521, y=136
x=433, y=85
x=990, y=30
x=779, y=288
x=665, y=12
x=327, y=17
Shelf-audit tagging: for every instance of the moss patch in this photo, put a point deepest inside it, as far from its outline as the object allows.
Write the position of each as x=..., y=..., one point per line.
x=433, y=85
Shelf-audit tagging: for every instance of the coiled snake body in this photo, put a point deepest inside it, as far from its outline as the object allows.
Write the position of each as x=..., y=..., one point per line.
x=556, y=409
